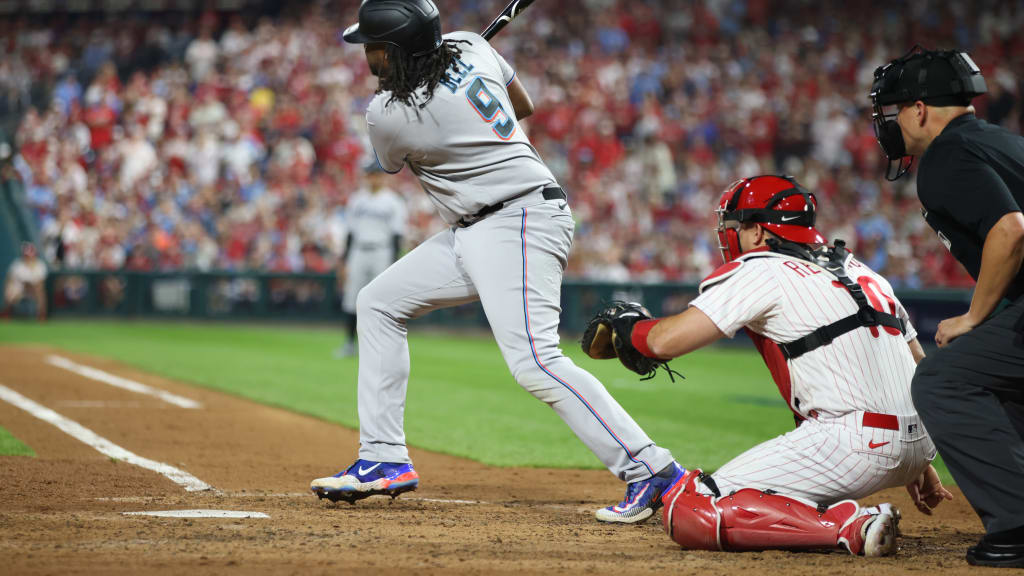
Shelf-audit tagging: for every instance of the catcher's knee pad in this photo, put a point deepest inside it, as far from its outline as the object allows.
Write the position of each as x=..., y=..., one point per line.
x=691, y=518
x=750, y=519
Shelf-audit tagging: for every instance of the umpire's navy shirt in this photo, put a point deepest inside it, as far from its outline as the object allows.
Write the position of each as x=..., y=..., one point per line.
x=970, y=176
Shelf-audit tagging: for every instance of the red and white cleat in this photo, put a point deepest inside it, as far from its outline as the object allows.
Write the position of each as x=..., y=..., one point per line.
x=872, y=534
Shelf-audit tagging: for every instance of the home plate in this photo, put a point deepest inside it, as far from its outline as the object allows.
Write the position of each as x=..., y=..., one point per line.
x=199, y=514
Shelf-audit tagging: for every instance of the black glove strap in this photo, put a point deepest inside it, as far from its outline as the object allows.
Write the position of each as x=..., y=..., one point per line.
x=708, y=481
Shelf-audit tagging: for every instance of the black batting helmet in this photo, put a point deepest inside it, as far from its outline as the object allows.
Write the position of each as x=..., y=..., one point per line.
x=412, y=25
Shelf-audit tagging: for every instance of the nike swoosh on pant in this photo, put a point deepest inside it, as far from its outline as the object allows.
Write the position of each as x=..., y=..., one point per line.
x=872, y=445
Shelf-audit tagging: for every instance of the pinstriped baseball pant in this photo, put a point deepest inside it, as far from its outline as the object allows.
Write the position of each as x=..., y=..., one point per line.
x=831, y=459
x=512, y=261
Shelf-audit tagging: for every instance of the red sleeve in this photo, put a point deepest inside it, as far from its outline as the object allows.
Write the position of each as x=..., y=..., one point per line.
x=639, y=337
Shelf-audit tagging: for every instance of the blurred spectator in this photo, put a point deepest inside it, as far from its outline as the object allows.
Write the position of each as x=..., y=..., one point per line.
x=224, y=142
x=201, y=55
x=26, y=279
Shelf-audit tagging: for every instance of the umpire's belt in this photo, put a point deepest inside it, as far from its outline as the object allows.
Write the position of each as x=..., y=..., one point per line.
x=553, y=193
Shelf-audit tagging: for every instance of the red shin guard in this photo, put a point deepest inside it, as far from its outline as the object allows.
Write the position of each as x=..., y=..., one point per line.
x=750, y=520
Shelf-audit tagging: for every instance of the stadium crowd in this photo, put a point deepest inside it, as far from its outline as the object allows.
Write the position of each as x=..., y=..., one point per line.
x=233, y=141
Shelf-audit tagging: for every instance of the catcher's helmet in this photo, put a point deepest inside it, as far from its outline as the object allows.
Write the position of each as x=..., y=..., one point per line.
x=935, y=77
x=777, y=203
x=412, y=25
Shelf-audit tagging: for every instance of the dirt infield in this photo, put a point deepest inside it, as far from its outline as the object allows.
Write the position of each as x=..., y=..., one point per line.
x=62, y=512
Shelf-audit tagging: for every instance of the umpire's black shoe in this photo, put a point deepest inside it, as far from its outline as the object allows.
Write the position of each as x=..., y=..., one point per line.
x=1001, y=549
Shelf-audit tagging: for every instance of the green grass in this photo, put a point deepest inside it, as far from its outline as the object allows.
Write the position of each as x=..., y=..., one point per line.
x=461, y=400
x=11, y=446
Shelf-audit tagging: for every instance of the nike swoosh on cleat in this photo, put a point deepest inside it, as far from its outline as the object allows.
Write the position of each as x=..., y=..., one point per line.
x=631, y=503
x=872, y=445
x=368, y=470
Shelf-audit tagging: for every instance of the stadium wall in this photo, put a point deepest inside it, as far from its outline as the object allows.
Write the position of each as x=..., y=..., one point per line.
x=315, y=298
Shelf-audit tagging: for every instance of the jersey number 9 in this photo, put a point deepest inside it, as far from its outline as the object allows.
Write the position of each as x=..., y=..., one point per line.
x=490, y=109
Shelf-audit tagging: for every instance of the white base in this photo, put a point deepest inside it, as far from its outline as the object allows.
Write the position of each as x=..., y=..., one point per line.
x=199, y=514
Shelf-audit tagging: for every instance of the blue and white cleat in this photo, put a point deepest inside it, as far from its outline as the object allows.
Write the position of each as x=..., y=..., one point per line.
x=643, y=497
x=366, y=478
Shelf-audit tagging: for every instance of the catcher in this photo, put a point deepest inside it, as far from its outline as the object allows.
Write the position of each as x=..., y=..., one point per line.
x=842, y=352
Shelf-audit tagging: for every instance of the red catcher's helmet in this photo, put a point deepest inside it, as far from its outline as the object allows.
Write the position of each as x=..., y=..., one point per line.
x=777, y=203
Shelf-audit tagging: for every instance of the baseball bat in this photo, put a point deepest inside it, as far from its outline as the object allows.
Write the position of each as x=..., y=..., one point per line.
x=514, y=8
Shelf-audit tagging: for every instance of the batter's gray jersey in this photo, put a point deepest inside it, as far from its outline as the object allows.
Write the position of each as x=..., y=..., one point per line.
x=466, y=146
x=469, y=152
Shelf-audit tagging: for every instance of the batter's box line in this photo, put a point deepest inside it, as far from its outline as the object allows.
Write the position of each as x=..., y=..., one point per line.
x=101, y=444
x=454, y=501
x=121, y=382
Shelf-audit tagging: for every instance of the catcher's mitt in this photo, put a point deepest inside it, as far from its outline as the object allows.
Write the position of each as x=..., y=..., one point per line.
x=609, y=335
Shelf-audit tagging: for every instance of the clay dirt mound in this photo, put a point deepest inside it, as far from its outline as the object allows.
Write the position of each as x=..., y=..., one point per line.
x=61, y=513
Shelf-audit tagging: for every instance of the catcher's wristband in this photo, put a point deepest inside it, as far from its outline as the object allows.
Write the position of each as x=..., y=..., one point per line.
x=639, y=337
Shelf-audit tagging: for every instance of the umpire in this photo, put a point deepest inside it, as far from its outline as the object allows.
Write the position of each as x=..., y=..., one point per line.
x=971, y=184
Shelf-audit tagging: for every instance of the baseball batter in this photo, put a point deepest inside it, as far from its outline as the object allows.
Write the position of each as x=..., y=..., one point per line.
x=376, y=224
x=449, y=108
x=842, y=352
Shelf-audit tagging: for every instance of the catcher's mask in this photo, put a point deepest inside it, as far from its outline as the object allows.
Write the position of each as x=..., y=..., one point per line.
x=777, y=203
x=935, y=77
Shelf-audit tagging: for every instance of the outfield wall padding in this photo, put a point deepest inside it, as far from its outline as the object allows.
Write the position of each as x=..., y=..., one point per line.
x=316, y=298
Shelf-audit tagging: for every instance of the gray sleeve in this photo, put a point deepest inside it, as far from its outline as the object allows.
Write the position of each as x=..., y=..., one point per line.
x=384, y=138
x=507, y=72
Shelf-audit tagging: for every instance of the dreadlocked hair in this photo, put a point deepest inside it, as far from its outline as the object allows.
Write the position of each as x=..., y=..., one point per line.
x=407, y=73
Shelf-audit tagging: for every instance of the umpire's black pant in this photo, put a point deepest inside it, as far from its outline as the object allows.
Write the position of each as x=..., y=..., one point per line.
x=970, y=396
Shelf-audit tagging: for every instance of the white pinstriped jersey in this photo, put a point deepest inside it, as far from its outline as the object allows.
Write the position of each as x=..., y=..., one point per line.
x=780, y=299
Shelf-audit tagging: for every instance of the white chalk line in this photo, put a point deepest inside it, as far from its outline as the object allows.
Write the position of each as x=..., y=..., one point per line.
x=266, y=494
x=101, y=444
x=408, y=498
x=96, y=404
x=260, y=496
x=308, y=494
x=446, y=501
x=502, y=504
x=119, y=382
x=199, y=514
